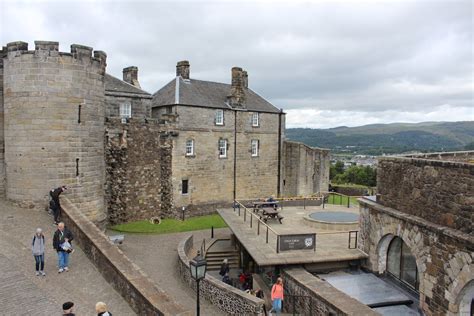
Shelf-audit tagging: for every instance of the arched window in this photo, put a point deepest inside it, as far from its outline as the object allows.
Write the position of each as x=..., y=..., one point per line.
x=401, y=263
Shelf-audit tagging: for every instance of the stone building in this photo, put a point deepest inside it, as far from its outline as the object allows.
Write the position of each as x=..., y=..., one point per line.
x=419, y=230
x=65, y=121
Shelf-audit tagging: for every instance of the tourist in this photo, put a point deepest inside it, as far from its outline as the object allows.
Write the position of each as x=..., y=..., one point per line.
x=101, y=309
x=224, y=268
x=226, y=279
x=67, y=309
x=277, y=296
x=54, y=203
x=37, y=247
x=62, y=237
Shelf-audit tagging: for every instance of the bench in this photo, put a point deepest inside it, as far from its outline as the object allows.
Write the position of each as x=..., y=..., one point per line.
x=117, y=239
x=270, y=212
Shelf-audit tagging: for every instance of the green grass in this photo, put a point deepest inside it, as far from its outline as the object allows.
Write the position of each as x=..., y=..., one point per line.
x=172, y=225
x=341, y=200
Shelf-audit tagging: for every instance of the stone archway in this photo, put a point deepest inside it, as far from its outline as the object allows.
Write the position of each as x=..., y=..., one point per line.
x=466, y=299
x=382, y=249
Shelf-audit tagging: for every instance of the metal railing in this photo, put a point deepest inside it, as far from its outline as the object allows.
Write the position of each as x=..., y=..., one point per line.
x=254, y=219
x=334, y=198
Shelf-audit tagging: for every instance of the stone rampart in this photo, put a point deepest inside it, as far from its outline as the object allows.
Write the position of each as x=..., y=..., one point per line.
x=228, y=299
x=438, y=191
x=443, y=255
x=135, y=287
x=305, y=170
x=457, y=156
x=138, y=160
x=317, y=297
x=3, y=53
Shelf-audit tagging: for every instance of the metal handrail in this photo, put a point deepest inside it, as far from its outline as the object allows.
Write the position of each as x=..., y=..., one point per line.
x=256, y=217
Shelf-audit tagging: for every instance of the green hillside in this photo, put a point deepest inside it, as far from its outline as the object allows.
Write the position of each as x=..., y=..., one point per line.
x=376, y=139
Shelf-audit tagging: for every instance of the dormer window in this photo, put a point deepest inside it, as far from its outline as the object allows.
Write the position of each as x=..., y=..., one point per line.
x=219, y=117
x=255, y=119
x=125, y=111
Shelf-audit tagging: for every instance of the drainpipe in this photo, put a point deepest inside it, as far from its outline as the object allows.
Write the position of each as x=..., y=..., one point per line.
x=235, y=154
x=279, y=154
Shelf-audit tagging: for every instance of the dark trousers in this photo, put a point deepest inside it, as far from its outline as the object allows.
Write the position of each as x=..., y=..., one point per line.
x=39, y=262
x=57, y=214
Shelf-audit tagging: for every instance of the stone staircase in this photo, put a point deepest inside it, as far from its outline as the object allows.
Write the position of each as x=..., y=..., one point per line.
x=219, y=250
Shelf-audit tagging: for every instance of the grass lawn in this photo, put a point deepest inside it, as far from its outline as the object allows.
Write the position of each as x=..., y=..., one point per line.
x=341, y=200
x=172, y=225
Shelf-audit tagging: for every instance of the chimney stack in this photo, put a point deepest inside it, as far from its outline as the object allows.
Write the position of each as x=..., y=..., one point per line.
x=130, y=75
x=239, y=82
x=182, y=69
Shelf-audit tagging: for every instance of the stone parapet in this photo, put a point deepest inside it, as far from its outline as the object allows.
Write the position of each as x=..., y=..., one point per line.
x=439, y=191
x=317, y=297
x=227, y=298
x=133, y=284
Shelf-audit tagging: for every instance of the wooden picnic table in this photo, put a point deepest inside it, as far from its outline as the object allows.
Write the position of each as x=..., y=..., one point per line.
x=269, y=212
x=260, y=204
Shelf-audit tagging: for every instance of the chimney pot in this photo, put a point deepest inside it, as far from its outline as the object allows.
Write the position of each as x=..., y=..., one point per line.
x=130, y=75
x=182, y=69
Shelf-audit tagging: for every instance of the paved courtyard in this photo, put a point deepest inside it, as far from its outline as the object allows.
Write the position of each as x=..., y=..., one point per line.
x=157, y=255
x=21, y=291
x=330, y=246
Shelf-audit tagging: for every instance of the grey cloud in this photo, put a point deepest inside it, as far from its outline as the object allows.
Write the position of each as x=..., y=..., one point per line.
x=373, y=56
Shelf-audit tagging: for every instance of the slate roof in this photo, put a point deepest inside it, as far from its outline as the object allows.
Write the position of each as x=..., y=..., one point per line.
x=113, y=84
x=207, y=94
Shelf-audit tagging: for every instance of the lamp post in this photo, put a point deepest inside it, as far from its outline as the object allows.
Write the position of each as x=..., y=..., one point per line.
x=198, y=271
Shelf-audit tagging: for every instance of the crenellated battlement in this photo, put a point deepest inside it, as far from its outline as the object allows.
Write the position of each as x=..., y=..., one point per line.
x=78, y=52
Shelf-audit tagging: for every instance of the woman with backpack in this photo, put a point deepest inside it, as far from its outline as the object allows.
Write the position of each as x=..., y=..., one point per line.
x=277, y=296
x=37, y=247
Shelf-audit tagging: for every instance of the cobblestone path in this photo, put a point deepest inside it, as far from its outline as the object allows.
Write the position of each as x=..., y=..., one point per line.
x=83, y=285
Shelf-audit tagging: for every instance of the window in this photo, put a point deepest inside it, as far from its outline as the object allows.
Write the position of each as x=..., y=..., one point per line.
x=254, y=147
x=220, y=117
x=184, y=186
x=255, y=119
x=401, y=263
x=222, y=148
x=125, y=111
x=190, y=147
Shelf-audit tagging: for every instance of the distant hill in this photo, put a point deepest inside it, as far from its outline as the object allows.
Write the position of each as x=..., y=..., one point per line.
x=376, y=139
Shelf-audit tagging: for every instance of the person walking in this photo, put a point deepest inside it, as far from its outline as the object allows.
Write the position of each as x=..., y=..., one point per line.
x=54, y=204
x=61, y=236
x=67, y=309
x=224, y=268
x=101, y=309
x=37, y=247
x=277, y=296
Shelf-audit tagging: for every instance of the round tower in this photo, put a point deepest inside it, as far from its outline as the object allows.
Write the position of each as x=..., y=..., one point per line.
x=54, y=124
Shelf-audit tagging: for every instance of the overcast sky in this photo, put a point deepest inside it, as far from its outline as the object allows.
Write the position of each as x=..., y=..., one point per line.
x=326, y=63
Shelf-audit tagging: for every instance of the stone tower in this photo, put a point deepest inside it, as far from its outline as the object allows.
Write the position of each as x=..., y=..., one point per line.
x=54, y=107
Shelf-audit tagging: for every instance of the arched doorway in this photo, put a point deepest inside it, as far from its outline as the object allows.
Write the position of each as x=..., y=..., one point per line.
x=401, y=263
x=466, y=301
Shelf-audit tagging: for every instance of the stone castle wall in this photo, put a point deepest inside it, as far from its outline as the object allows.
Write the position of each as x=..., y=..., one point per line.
x=305, y=169
x=444, y=256
x=438, y=191
x=457, y=156
x=54, y=124
x=138, y=159
x=141, y=107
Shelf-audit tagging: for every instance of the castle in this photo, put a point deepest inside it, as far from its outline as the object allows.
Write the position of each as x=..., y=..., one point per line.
x=127, y=154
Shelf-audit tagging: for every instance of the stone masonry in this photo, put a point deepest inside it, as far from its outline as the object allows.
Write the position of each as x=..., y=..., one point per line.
x=54, y=126
x=426, y=204
x=305, y=169
x=138, y=159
